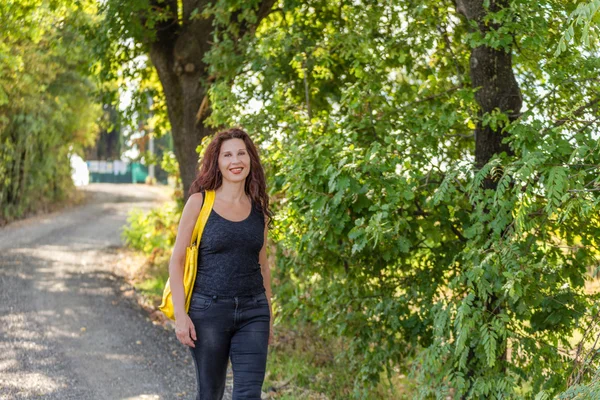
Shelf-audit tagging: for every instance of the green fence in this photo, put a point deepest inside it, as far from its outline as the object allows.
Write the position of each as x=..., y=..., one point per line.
x=117, y=172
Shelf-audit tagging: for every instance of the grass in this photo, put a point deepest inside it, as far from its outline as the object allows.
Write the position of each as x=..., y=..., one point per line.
x=152, y=286
x=303, y=365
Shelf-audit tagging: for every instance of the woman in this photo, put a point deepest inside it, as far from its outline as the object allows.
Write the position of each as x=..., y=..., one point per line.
x=230, y=309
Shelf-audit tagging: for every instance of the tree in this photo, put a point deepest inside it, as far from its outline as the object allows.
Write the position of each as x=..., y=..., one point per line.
x=423, y=212
x=46, y=113
x=176, y=36
x=497, y=91
x=109, y=143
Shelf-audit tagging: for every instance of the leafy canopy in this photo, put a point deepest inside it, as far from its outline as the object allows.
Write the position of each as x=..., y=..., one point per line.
x=385, y=234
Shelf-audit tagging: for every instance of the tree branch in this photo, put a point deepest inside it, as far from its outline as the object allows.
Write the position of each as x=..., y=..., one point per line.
x=245, y=26
x=576, y=113
x=166, y=29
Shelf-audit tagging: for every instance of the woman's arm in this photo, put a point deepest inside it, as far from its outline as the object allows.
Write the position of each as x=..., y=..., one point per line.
x=266, y=274
x=187, y=222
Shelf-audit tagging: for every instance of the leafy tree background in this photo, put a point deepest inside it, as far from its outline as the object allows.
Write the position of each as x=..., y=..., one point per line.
x=434, y=169
x=47, y=104
x=392, y=230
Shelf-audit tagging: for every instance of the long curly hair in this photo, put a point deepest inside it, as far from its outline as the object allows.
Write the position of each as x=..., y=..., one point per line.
x=209, y=176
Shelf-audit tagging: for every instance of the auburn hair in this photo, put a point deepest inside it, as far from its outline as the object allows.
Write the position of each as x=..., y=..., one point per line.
x=209, y=176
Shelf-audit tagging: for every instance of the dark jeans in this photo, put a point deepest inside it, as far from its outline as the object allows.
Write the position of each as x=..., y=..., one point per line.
x=236, y=327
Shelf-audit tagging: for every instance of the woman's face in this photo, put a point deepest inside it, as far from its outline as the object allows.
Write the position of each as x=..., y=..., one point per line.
x=234, y=160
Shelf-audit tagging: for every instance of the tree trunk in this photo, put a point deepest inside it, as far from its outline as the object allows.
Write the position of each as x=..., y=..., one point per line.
x=177, y=54
x=491, y=72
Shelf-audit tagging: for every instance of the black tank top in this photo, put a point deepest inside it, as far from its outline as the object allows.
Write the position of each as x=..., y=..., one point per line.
x=228, y=256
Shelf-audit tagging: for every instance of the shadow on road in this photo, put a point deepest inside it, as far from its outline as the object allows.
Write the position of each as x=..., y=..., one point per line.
x=67, y=330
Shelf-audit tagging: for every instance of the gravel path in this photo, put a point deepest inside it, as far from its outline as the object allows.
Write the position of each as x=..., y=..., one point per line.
x=67, y=331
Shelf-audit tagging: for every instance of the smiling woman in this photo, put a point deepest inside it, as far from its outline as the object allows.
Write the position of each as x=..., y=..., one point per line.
x=230, y=310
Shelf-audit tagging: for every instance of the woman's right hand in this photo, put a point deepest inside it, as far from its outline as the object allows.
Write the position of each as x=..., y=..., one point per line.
x=185, y=331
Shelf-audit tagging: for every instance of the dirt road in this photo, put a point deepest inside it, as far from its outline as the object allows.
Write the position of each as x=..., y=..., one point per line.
x=66, y=329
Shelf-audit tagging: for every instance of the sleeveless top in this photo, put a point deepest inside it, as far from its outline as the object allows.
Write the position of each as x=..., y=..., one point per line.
x=228, y=256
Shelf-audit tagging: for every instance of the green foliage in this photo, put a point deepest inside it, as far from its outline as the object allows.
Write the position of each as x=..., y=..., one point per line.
x=583, y=392
x=47, y=108
x=385, y=232
x=169, y=164
x=302, y=364
x=120, y=44
x=153, y=232
x=585, y=18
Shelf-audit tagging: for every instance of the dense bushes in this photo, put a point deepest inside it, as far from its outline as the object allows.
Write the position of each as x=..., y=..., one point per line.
x=47, y=109
x=153, y=232
x=387, y=231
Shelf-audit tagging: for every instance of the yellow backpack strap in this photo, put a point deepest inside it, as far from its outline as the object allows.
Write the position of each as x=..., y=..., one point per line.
x=209, y=200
